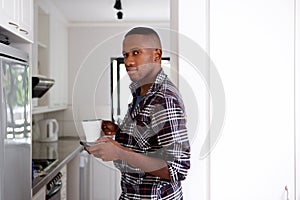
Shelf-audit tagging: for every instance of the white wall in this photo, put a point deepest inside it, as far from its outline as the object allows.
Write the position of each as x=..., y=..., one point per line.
x=252, y=45
x=192, y=19
x=297, y=96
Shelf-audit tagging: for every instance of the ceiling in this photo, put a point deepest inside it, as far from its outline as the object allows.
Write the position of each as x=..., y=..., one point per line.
x=103, y=11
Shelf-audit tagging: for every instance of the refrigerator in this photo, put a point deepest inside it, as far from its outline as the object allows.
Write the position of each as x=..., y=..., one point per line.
x=15, y=125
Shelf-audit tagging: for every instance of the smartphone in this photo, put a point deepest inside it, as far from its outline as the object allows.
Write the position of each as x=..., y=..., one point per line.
x=88, y=144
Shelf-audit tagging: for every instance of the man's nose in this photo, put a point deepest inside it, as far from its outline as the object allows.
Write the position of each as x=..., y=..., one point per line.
x=129, y=61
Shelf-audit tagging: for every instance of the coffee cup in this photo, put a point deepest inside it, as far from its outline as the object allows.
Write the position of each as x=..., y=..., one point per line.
x=92, y=129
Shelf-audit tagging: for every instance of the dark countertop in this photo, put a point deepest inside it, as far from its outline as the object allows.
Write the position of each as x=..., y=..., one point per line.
x=64, y=150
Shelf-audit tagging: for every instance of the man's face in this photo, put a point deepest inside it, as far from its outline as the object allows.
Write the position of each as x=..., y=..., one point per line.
x=140, y=58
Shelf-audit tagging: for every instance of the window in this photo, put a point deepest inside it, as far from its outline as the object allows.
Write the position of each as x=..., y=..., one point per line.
x=120, y=93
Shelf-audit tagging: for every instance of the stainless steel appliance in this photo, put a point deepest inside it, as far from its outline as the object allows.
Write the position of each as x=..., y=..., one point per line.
x=15, y=125
x=40, y=85
x=54, y=188
x=55, y=185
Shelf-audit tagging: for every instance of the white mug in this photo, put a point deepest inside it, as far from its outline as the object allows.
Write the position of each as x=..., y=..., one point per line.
x=92, y=129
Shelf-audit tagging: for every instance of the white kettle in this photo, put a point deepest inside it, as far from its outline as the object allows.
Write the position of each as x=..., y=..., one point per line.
x=48, y=130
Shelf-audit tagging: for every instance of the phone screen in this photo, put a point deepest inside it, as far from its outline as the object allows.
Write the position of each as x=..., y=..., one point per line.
x=89, y=144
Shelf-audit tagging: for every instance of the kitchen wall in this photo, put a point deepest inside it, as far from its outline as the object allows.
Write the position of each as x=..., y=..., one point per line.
x=254, y=55
x=90, y=50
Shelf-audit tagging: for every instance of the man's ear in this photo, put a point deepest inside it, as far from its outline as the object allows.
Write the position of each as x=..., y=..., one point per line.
x=157, y=54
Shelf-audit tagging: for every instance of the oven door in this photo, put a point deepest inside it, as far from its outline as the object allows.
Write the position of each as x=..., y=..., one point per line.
x=54, y=188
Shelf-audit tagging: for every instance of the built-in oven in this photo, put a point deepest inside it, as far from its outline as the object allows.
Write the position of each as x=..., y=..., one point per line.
x=54, y=188
x=55, y=185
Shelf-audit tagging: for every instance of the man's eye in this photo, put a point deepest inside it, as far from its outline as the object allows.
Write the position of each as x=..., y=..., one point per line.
x=125, y=55
x=136, y=52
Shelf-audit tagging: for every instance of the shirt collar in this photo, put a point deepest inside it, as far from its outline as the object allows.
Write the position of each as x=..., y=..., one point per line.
x=161, y=76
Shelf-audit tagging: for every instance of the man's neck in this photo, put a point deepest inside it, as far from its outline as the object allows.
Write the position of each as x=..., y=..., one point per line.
x=144, y=89
x=145, y=84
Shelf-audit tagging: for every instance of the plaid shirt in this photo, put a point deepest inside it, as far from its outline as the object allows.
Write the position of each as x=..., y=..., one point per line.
x=155, y=127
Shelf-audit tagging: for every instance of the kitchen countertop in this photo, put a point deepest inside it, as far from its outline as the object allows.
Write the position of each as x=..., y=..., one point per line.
x=63, y=150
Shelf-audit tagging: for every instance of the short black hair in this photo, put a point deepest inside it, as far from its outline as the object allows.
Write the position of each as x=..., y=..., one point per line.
x=144, y=31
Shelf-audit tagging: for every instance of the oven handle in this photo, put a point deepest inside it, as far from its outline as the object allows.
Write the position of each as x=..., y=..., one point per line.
x=56, y=189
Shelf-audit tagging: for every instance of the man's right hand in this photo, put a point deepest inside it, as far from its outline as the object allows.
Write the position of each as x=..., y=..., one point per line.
x=109, y=128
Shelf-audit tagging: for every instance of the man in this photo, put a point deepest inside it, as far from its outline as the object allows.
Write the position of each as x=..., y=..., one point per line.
x=151, y=147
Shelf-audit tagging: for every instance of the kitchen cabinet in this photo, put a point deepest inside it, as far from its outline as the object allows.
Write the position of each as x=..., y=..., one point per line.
x=106, y=177
x=73, y=178
x=17, y=17
x=50, y=56
x=251, y=43
x=58, y=62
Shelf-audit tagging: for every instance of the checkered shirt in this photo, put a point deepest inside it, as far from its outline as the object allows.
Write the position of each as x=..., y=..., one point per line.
x=155, y=127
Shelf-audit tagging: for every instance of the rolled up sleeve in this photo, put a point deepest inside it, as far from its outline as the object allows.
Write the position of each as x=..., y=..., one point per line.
x=169, y=122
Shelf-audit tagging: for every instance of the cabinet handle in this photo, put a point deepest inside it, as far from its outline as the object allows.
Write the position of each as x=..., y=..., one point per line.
x=24, y=31
x=14, y=24
x=287, y=192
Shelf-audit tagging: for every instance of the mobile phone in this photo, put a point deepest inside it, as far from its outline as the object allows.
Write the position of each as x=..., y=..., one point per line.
x=88, y=144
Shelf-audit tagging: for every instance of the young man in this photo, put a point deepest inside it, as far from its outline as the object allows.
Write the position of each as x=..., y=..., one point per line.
x=151, y=147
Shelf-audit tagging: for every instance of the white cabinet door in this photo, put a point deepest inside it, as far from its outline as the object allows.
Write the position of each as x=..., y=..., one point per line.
x=9, y=8
x=9, y=15
x=252, y=46
x=26, y=18
x=58, y=62
x=16, y=16
x=106, y=180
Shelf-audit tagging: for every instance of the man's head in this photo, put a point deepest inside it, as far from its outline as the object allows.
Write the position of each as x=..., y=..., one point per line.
x=142, y=54
x=153, y=40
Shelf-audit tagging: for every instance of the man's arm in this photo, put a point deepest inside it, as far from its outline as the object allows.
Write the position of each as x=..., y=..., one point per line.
x=154, y=166
x=111, y=150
